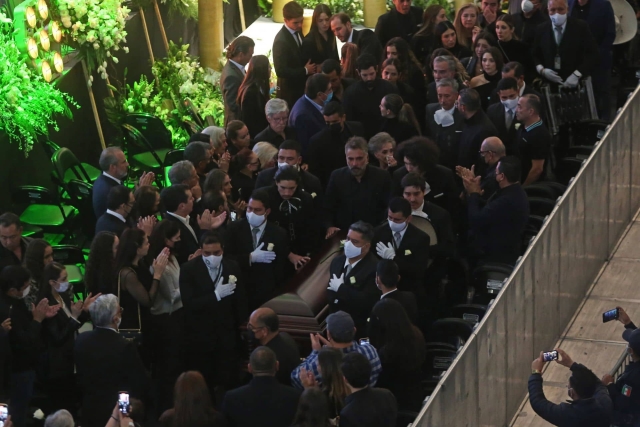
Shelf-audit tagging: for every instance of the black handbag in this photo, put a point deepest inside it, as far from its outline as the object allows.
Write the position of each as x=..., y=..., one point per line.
x=133, y=335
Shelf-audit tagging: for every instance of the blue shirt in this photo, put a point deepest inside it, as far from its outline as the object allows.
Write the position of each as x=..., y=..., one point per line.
x=313, y=103
x=311, y=364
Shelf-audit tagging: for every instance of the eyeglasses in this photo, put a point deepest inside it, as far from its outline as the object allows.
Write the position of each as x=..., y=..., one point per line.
x=279, y=119
x=482, y=153
x=250, y=327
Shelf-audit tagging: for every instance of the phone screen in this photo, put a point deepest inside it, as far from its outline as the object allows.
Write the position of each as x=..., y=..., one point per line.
x=610, y=315
x=4, y=413
x=364, y=341
x=550, y=355
x=123, y=403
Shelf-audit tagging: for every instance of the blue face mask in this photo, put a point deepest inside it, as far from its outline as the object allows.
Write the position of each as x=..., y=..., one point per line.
x=329, y=98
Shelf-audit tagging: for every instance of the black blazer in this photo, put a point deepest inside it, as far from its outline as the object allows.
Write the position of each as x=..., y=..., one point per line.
x=407, y=300
x=208, y=320
x=311, y=52
x=355, y=297
x=268, y=135
x=476, y=129
x=497, y=115
x=262, y=403
x=287, y=60
x=101, y=188
x=392, y=25
x=447, y=138
x=399, y=131
x=412, y=256
x=578, y=49
x=363, y=105
x=367, y=42
x=262, y=279
x=347, y=200
x=441, y=221
x=188, y=244
x=369, y=407
x=230, y=81
x=108, y=222
x=251, y=110
x=309, y=182
x=105, y=364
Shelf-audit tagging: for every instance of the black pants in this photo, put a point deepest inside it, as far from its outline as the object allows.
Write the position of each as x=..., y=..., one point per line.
x=167, y=355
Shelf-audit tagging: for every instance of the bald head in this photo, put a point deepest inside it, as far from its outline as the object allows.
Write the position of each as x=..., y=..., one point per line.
x=492, y=149
x=265, y=317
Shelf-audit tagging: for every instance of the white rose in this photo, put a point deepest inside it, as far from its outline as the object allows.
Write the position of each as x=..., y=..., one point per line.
x=232, y=279
x=115, y=59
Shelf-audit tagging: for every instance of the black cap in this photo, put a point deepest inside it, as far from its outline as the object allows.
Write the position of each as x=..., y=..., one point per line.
x=632, y=336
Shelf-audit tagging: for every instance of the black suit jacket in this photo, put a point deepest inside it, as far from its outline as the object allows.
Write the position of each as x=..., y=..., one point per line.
x=105, y=364
x=309, y=182
x=287, y=61
x=389, y=25
x=230, y=81
x=412, y=256
x=447, y=138
x=251, y=110
x=108, y=222
x=369, y=407
x=262, y=403
x=407, y=300
x=207, y=320
x=476, y=129
x=441, y=221
x=497, y=115
x=262, y=279
x=359, y=293
x=101, y=188
x=188, y=244
x=578, y=49
x=367, y=42
x=363, y=105
x=268, y=135
x=347, y=200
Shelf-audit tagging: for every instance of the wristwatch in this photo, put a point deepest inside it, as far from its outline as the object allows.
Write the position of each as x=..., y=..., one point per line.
x=535, y=371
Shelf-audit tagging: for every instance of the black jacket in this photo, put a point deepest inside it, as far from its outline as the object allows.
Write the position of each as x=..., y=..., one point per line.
x=519, y=51
x=367, y=42
x=476, y=129
x=262, y=403
x=441, y=221
x=268, y=135
x=25, y=337
x=399, y=131
x=287, y=354
x=363, y=105
x=447, y=138
x=309, y=182
x=251, y=110
x=369, y=407
x=407, y=300
x=497, y=115
x=101, y=188
x=393, y=24
x=188, y=244
x=347, y=200
x=108, y=222
x=311, y=52
x=526, y=27
x=287, y=61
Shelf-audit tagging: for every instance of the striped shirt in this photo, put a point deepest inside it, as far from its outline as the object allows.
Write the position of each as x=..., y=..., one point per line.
x=311, y=364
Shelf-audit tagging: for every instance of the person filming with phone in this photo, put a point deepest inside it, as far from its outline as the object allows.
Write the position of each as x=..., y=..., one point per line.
x=590, y=405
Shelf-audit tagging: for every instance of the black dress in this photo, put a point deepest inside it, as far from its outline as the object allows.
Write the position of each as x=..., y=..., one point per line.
x=310, y=50
x=459, y=51
x=516, y=50
x=242, y=186
x=487, y=89
x=252, y=109
x=422, y=46
x=399, y=131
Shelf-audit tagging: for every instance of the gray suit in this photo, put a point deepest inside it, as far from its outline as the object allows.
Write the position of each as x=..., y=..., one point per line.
x=230, y=81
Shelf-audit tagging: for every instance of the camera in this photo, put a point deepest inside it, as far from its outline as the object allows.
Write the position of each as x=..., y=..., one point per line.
x=610, y=315
x=123, y=403
x=548, y=356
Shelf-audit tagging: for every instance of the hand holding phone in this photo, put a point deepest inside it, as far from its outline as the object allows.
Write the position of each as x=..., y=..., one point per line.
x=610, y=315
x=548, y=356
x=123, y=403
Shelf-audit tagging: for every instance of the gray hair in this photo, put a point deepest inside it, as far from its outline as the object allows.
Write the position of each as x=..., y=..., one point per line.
x=363, y=228
x=180, y=172
x=108, y=157
x=448, y=83
x=265, y=152
x=356, y=143
x=104, y=309
x=61, y=418
x=275, y=106
x=216, y=134
x=378, y=140
x=449, y=60
x=197, y=152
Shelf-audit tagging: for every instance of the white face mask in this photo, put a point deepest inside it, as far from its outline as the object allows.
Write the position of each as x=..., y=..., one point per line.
x=527, y=6
x=510, y=103
x=62, y=287
x=281, y=165
x=443, y=118
x=212, y=261
x=254, y=219
x=395, y=227
x=26, y=291
x=351, y=250
x=558, y=19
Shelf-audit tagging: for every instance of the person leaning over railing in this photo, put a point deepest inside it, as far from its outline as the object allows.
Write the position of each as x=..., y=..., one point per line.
x=625, y=391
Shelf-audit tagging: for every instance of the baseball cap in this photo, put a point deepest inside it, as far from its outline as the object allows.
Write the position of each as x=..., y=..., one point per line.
x=632, y=336
x=340, y=325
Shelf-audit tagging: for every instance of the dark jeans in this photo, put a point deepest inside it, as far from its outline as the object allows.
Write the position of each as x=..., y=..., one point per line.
x=21, y=393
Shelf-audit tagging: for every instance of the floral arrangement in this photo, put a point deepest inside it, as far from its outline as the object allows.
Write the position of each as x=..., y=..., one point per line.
x=185, y=8
x=28, y=104
x=97, y=27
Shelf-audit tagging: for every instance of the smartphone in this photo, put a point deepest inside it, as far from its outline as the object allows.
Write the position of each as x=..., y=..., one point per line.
x=548, y=356
x=123, y=403
x=4, y=413
x=364, y=341
x=610, y=315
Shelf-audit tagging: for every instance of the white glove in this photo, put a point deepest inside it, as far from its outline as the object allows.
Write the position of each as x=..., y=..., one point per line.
x=551, y=75
x=572, y=81
x=224, y=290
x=258, y=255
x=336, y=282
x=385, y=252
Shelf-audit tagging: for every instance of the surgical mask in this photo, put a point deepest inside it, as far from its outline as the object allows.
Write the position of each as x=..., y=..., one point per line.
x=558, y=19
x=26, y=291
x=281, y=165
x=335, y=127
x=395, y=227
x=527, y=6
x=351, y=250
x=212, y=261
x=254, y=219
x=63, y=286
x=510, y=104
x=329, y=98
x=443, y=118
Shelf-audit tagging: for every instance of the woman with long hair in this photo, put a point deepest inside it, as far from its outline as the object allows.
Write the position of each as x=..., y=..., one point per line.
x=218, y=141
x=486, y=82
x=422, y=41
x=244, y=181
x=413, y=72
x=320, y=43
x=333, y=384
x=39, y=253
x=446, y=37
x=512, y=48
x=313, y=409
x=98, y=277
x=253, y=94
x=481, y=44
x=402, y=352
x=349, y=54
x=392, y=71
x=399, y=120
x=465, y=21
x=218, y=182
x=192, y=405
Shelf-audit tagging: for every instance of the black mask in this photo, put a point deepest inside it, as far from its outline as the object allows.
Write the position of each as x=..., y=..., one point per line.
x=335, y=127
x=210, y=166
x=249, y=336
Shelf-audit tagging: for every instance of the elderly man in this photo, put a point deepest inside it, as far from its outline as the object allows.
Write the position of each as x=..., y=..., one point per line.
x=444, y=122
x=277, y=112
x=199, y=154
x=106, y=363
x=444, y=67
x=13, y=244
x=264, y=328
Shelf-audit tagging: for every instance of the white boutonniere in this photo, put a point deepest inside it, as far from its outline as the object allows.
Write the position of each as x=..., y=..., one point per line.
x=518, y=126
x=232, y=279
x=270, y=246
x=407, y=252
x=313, y=195
x=342, y=242
x=353, y=280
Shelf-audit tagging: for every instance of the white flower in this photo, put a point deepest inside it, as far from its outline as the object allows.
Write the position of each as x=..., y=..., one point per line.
x=115, y=59
x=130, y=109
x=39, y=415
x=96, y=46
x=517, y=126
x=108, y=54
x=232, y=279
x=126, y=49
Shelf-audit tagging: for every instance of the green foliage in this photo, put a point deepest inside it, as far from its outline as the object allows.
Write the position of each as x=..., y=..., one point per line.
x=28, y=104
x=184, y=8
x=266, y=6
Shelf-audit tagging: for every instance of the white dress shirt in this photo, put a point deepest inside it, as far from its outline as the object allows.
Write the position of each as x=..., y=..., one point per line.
x=115, y=179
x=185, y=221
x=240, y=66
x=117, y=215
x=419, y=212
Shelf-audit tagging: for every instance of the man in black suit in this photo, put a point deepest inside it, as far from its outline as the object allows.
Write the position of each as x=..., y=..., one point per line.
x=564, y=49
x=263, y=402
x=533, y=141
x=365, y=406
x=443, y=68
x=362, y=99
x=352, y=287
x=239, y=53
x=119, y=205
x=106, y=363
x=531, y=16
x=356, y=192
x=366, y=39
x=477, y=127
x=332, y=69
x=215, y=304
x=496, y=229
x=515, y=70
x=287, y=57
x=387, y=278
x=261, y=248
x=445, y=123
x=491, y=151
x=277, y=112
x=403, y=20
x=503, y=113
x=407, y=245
x=199, y=154
x=264, y=327
x=326, y=149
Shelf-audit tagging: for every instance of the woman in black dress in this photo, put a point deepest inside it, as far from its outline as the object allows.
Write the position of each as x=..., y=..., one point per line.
x=393, y=72
x=512, y=48
x=483, y=42
x=243, y=182
x=447, y=37
x=492, y=63
x=320, y=43
x=399, y=120
x=253, y=94
x=422, y=41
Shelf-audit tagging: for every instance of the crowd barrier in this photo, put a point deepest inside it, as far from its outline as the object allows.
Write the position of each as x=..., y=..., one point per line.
x=487, y=381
